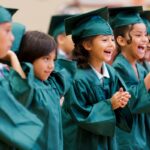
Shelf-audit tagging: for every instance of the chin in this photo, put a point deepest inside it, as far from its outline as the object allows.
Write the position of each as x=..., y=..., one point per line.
x=44, y=79
x=142, y=55
x=107, y=59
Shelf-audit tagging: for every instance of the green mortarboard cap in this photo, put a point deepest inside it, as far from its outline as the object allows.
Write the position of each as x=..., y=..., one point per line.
x=57, y=25
x=88, y=24
x=146, y=19
x=18, y=31
x=123, y=16
x=5, y=15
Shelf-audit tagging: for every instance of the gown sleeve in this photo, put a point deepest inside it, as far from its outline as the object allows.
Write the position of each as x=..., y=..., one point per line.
x=18, y=126
x=98, y=118
x=63, y=75
x=140, y=97
x=22, y=89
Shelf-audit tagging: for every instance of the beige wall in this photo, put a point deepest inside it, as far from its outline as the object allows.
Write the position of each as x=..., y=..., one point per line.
x=35, y=14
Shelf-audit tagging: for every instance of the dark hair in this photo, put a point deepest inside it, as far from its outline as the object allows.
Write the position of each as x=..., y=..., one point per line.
x=122, y=31
x=80, y=54
x=34, y=45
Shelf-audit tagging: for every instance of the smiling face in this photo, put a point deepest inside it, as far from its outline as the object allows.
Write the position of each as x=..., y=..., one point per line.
x=136, y=48
x=6, y=38
x=100, y=48
x=147, y=53
x=44, y=66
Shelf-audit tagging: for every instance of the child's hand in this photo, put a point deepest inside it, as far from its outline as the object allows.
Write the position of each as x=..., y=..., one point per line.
x=12, y=57
x=9, y=56
x=120, y=99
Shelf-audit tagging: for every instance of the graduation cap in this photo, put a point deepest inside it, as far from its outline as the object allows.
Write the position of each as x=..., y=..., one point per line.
x=145, y=15
x=123, y=16
x=12, y=11
x=88, y=24
x=18, y=31
x=6, y=14
x=57, y=25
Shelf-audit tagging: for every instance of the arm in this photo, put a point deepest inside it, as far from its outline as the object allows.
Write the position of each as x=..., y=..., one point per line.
x=63, y=75
x=98, y=118
x=147, y=81
x=17, y=123
x=140, y=97
x=11, y=56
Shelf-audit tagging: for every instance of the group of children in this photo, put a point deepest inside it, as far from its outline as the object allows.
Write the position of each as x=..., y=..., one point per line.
x=105, y=107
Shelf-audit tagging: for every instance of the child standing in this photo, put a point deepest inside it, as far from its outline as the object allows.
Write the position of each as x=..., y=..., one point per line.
x=16, y=122
x=57, y=30
x=96, y=102
x=131, y=38
x=146, y=60
x=48, y=86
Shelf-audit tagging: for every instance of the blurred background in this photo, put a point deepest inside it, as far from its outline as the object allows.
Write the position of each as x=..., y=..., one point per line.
x=36, y=14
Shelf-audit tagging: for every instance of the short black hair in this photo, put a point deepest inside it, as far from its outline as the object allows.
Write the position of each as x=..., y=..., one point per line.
x=34, y=45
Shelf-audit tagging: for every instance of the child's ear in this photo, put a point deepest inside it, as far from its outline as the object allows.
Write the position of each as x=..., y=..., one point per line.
x=86, y=45
x=60, y=39
x=121, y=41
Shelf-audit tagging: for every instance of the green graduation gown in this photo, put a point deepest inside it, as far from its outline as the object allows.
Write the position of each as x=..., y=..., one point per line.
x=146, y=65
x=45, y=102
x=140, y=102
x=89, y=121
x=18, y=126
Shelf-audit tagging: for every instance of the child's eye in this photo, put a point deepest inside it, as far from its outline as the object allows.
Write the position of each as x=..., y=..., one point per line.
x=113, y=39
x=104, y=40
x=46, y=58
x=137, y=35
x=8, y=30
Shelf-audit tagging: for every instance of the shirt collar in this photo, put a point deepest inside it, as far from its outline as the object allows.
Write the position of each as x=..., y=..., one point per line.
x=61, y=52
x=105, y=72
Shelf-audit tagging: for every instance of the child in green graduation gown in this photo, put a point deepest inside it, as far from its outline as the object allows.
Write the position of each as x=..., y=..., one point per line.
x=131, y=38
x=145, y=61
x=48, y=85
x=16, y=122
x=65, y=44
x=96, y=102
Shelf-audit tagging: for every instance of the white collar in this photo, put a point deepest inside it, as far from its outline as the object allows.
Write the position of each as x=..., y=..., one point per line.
x=105, y=72
x=61, y=52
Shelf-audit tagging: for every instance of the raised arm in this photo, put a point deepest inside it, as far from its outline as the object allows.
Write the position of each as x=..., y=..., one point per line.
x=12, y=58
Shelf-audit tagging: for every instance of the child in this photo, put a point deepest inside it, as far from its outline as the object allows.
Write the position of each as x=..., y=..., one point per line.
x=64, y=43
x=131, y=38
x=48, y=85
x=57, y=30
x=146, y=60
x=96, y=102
x=16, y=122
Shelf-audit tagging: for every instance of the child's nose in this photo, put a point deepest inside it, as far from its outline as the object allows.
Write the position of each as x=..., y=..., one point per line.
x=145, y=39
x=51, y=65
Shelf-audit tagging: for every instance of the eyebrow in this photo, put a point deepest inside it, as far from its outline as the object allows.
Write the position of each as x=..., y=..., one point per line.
x=139, y=31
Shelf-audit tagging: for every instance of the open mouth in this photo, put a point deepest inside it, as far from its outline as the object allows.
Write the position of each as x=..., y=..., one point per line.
x=108, y=52
x=141, y=49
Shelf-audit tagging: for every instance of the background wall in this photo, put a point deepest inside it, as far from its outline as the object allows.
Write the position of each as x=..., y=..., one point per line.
x=35, y=14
